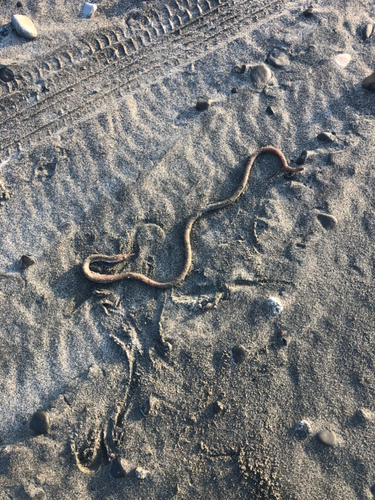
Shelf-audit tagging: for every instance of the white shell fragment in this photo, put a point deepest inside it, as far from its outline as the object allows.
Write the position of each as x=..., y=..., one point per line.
x=88, y=10
x=342, y=60
x=275, y=305
x=24, y=26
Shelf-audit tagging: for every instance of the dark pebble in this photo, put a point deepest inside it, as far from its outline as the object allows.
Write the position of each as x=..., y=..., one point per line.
x=239, y=354
x=302, y=158
x=217, y=407
x=260, y=74
x=27, y=261
x=40, y=422
x=325, y=137
x=19, y=5
x=302, y=430
x=6, y=75
x=119, y=468
x=327, y=437
x=327, y=221
x=203, y=104
x=278, y=58
x=234, y=90
x=240, y=69
x=270, y=111
x=369, y=83
x=367, y=31
x=309, y=12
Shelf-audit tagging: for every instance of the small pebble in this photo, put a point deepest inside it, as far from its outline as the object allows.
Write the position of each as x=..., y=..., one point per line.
x=240, y=69
x=238, y=353
x=203, y=104
x=234, y=90
x=88, y=10
x=309, y=12
x=302, y=430
x=19, y=5
x=302, y=158
x=141, y=473
x=119, y=468
x=325, y=137
x=275, y=305
x=6, y=75
x=270, y=111
x=278, y=58
x=367, y=31
x=342, y=60
x=27, y=261
x=327, y=221
x=369, y=82
x=327, y=437
x=260, y=74
x=24, y=26
x=40, y=422
x=217, y=407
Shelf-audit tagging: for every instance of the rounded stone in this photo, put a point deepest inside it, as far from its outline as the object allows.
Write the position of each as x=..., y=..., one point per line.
x=88, y=10
x=342, y=60
x=119, y=468
x=302, y=430
x=278, y=58
x=302, y=158
x=327, y=437
x=369, y=82
x=327, y=221
x=309, y=12
x=367, y=31
x=24, y=26
x=6, y=75
x=238, y=353
x=203, y=104
x=260, y=74
x=325, y=137
x=40, y=422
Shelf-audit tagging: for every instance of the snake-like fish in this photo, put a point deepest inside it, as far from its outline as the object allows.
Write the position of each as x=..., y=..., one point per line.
x=115, y=259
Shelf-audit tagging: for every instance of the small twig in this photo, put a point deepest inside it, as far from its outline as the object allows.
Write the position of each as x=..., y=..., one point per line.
x=195, y=185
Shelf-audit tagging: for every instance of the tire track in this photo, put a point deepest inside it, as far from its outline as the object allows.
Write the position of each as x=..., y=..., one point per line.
x=128, y=63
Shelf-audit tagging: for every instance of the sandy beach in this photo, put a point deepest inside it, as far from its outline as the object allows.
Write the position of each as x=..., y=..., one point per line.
x=254, y=377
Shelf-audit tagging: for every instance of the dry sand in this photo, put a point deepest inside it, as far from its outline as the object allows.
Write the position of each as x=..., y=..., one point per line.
x=101, y=146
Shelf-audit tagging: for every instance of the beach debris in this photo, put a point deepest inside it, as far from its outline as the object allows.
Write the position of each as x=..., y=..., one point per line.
x=302, y=430
x=148, y=405
x=260, y=74
x=240, y=69
x=24, y=26
x=275, y=305
x=119, y=468
x=327, y=221
x=367, y=31
x=203, y=104
x=365, y=416
x=270, y=111
x=27, y=261
x=6, y=75
x=342, y=60
x=309, y=12
x=141, y=473
x=325, y=137
x=217, y=407
x=238, y=354
x=327, y=437
x=40, y=422
x=278, y=58
x=302, y=158
x=369, y=82
x=88, y=10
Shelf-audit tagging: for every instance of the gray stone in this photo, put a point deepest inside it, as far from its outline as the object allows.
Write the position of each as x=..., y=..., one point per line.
x=203, y=104
x=40, y=422
x=260, y=74
x=302, y=158
x=88, y=10
x=327, y=221
x=325, y=137
x=309, y=12
x=302, y=430
x=327, y=437
x=239, y=354
x=24, y=26
x=369, y=82
x=278, y=58
x=119, y=468
x=367, y=31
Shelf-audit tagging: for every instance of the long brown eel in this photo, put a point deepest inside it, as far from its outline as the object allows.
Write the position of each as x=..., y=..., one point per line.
x=114, y=259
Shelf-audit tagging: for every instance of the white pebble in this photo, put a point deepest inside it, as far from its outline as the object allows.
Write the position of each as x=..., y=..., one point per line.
x=342, y=60
x=275, y=305
x=88, y=10
x=24, y=26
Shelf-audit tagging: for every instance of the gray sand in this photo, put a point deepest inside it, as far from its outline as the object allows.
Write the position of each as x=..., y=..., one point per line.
x=101, y=146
